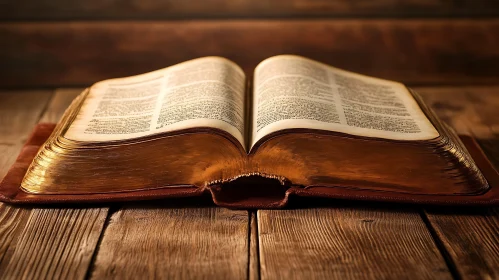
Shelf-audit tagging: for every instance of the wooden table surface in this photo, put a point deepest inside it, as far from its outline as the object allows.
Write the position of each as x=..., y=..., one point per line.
x=190, y=238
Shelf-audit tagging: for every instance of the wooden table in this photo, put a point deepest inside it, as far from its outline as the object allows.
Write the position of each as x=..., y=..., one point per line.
x=163, y=239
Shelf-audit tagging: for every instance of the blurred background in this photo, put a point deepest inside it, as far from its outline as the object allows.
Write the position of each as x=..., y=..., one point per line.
x=59, y=43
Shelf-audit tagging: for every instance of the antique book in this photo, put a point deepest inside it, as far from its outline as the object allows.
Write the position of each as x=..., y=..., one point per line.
x=302, y=127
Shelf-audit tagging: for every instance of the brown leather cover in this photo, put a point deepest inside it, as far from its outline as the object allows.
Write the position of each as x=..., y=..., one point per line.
x=246, y=193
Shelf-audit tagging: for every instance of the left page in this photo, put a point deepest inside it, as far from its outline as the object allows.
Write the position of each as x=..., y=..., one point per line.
x=205, y=92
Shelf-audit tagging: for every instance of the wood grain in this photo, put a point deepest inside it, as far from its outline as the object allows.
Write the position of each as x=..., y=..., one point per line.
x=347, y=243
x=136, y=9
x=12, y=220
x=254, y=261
x=471, y=239
x=55, y=244
x=469, y=110
x=412, y=51
x=46, y=242
x=167, y=243
x=19, y=111
x=469, y=236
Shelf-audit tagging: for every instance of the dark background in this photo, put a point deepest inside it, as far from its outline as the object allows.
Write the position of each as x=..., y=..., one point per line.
x=54, y=43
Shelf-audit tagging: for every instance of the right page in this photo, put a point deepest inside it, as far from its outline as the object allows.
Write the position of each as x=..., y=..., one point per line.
x=295, y=92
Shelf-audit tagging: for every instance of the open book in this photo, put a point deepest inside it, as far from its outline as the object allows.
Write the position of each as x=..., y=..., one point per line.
x=200, y=124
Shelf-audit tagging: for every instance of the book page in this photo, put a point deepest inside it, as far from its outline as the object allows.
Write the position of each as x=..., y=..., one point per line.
x=295, y=92
x=205, y=92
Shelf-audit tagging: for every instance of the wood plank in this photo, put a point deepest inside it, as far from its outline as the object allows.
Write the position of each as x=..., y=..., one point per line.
x=48, y=242
x=469, y=110
x=412, y=51
x=148, y=241
x=19, y=111
x=254, y=261
x=470, y=236
x=347, y=243
x=57, y=243
x=12, y=220
x=157, y=9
